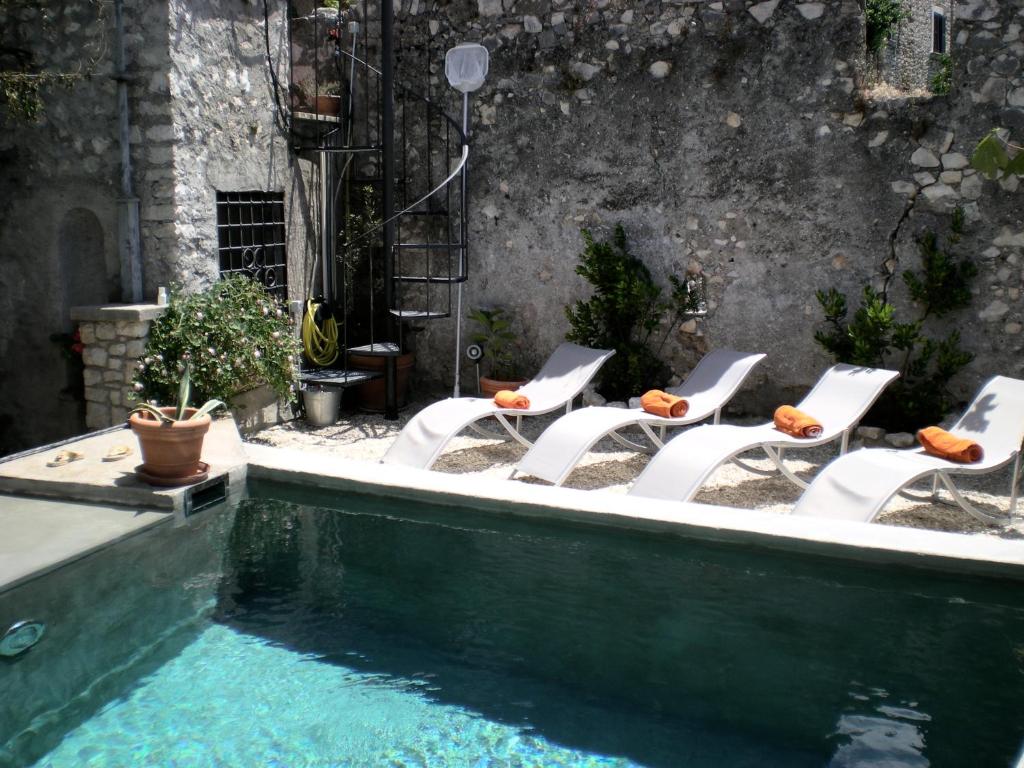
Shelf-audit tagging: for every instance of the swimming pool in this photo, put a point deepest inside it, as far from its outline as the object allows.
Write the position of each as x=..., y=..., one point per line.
x=312, y=628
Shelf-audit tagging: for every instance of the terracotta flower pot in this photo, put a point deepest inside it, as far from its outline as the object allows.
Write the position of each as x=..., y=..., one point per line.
x=491, y=387
x=327, y=105
x=372, y=394
x=170, y=452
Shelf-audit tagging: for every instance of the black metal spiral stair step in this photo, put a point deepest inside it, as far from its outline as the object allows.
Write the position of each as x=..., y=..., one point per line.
x=377, y=349
x=428, y=246
x=443, y=280
x=419, y=314
x=332, y=377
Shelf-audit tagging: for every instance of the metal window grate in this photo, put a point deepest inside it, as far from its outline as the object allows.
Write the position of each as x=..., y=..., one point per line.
x=251, y=239
x=938, y=32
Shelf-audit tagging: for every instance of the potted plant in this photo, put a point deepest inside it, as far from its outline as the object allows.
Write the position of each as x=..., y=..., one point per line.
x=500, y=348
x=233, y=336
x=171, y=438
x=322, y=96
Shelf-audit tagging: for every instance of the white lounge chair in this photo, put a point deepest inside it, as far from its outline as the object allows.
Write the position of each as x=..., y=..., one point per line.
x=859, y=485
x=840, y=398
x=563, y=376
x=709, y=386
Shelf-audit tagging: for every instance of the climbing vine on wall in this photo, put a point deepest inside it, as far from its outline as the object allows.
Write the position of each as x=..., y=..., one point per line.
x=25, y=80
x=942, y=81
x=883, y=18
x=996, y=157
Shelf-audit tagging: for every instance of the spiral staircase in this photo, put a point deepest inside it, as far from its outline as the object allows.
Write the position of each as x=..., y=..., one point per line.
x=392, y=193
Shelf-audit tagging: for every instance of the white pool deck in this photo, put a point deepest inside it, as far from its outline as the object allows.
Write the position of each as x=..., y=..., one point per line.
x=89, y=505
x=52, y=516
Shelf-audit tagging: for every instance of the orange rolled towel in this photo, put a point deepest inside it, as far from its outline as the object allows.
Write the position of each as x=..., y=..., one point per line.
x=939, y=442
x=506, y=398
x=663, y=404
x=796, y=423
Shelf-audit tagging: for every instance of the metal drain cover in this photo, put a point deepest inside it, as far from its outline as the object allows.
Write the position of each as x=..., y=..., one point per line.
x=20, y=637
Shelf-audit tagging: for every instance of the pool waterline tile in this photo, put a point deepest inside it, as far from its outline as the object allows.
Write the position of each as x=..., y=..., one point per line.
x=980, y=555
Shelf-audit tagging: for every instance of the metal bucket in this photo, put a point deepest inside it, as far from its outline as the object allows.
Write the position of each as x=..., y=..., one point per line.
x=322, y=404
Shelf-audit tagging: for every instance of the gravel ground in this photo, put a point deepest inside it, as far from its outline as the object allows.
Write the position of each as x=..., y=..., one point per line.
x=608, y=467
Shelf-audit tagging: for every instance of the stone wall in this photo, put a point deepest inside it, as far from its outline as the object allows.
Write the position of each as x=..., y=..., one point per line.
x=733, y=140
x=202, y=119
x=114, y=338
x=59, y=196
x=913, y=63
x=225, y=135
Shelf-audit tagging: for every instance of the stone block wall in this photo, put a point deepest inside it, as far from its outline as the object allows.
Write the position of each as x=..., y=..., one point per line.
x=733, y=140
x=225, y=134
x=913, y=64
x=203, y=119
x=59, y=192
x=114, y=338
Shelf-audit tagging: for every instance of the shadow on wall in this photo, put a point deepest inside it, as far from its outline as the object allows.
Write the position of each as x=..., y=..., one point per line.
x=44, y=374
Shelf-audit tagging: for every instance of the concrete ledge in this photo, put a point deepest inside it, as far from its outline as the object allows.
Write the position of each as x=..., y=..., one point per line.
x=947, y=552
x=113, y=312
x=94, y=480
x=41, y=535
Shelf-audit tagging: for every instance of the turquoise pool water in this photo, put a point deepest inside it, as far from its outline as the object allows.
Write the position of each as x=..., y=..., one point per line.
x=362, y=632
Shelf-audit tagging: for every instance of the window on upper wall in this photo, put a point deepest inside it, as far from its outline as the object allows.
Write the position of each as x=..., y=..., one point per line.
x=938, y=31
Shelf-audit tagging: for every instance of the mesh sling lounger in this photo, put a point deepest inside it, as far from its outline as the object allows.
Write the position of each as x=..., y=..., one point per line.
x=564, y=375
x=859, y=485
x=840, y=398
x=709, y=386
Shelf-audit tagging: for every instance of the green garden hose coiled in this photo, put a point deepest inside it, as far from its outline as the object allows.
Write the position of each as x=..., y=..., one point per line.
x=320, y=343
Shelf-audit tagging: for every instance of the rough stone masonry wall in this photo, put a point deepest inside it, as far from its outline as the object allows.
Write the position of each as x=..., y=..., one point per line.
x=225, y=135
x=203, y=119
x=59, y=191
x=733, y=140
x=912, y=63
x=114, y=339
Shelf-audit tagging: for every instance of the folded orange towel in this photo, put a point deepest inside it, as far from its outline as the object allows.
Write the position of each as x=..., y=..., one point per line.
x=663, y=404
x=506, y=398
x=939, y=442
x=796, y=423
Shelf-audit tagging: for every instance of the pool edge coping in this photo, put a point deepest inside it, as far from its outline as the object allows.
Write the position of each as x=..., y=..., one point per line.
x=935, y=550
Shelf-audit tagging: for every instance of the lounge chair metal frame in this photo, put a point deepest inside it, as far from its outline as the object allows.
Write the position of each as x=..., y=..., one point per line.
x=710, y=385
x=838, y=491
x=515, y=432
x=959, y=500
x=563, y=376
x=839, y=400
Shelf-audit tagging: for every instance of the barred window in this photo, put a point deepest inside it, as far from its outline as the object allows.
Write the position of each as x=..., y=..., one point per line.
x=251, y=238
x=938, y=31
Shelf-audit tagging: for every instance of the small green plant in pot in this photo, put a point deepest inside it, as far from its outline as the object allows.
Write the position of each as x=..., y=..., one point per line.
x=171, y=437
x=323, y=96
x=500, y=351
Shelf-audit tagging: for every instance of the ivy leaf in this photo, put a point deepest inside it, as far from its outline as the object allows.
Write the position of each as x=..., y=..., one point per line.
x=989, y=157
x=1016, y=165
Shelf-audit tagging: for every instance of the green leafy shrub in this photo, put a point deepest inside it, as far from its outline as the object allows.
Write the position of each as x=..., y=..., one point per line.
x=875, y=338
x=942, y=80
x=232, y=337
x=882, y=18
x=623, y=314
